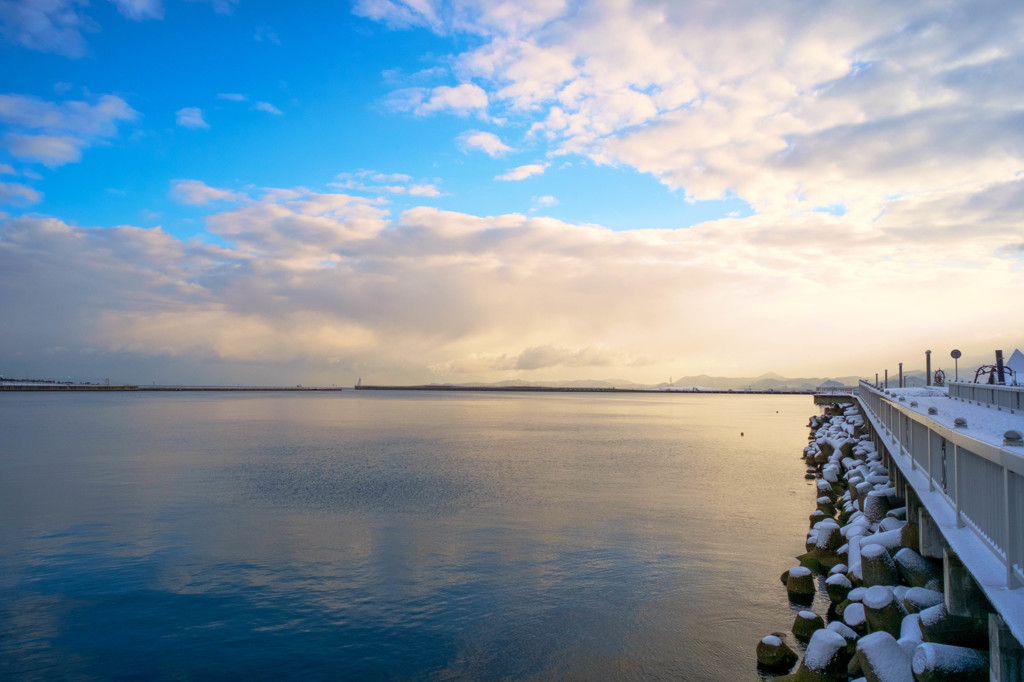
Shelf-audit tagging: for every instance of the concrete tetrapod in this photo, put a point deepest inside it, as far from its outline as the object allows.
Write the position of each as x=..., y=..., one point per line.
x=947, y=663
x=800, y=584
x=917, y=571
x=806, y=624
x=881, y=611
x=880, y=659
x=774, y=654
x=877, y=566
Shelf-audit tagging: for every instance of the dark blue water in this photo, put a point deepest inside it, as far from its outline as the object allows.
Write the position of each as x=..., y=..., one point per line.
x=395, y=535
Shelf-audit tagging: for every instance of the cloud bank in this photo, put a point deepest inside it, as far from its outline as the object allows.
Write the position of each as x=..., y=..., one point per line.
x=329, y=285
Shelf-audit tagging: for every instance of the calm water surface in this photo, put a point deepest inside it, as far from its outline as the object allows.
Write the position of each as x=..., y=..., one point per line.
x=396, y=535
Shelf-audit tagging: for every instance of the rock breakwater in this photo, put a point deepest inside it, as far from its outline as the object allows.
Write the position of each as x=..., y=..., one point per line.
x=886, y=619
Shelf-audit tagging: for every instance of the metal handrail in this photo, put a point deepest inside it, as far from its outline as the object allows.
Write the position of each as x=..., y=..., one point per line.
x=996, y=395
x=984, y=483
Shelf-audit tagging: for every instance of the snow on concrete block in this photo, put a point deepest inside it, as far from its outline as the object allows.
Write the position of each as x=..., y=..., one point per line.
x=917, y=571
x=918, y=599
x=806, y=624
x=857, y=594
x=876, y=565
x=855, y=618
x=838, y=587
x=774, y=654
x=800, y=581
x=881, y=612
x=941, y=627
x=948, y=663
x=892, y=540
x=826, y=655
x=889, y=523
x=881, y=659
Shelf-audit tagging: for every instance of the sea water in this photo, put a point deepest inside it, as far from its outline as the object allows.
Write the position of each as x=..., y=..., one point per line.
x=396, y=535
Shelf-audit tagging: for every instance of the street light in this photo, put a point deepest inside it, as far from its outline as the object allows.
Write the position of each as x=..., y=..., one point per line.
x=956, y=365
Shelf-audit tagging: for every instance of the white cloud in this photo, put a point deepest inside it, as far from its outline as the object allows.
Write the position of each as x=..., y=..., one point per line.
x=489, y=143
x=220, y=6
x=424, y=191
x=314, y=276
x=16, y=193
x=232, y=96
x=46, y=25
x=7, y=169
x=462, y=100
x=77, y=117
x=268, y=107
x=51, y=150
x=523, y=172
x=845, y=104
x=545, y=201
x=191, y=117
x=375, y=182
x=140, y=10
x=197, y=193
x=399, y=13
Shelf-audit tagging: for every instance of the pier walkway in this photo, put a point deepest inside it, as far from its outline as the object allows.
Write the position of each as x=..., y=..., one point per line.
x=956, y=451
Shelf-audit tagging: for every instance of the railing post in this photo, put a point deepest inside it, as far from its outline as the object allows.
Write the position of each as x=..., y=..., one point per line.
x=956, y=485
x=1011, y=535
x=913, y=457
x=931, y=479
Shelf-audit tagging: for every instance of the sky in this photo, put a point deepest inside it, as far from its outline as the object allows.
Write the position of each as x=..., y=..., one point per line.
x=414, y=191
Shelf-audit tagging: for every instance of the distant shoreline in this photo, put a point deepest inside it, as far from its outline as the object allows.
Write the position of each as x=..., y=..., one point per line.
x=427, y=387
x=570, y=389
x=58, y=387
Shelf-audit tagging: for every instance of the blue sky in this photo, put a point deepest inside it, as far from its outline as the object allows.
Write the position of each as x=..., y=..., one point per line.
x=285, y=105
x=454, y=190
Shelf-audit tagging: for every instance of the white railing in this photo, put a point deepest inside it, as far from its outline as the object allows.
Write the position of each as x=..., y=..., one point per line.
x=835, y=390
x=983, y=483
x=1006, y=397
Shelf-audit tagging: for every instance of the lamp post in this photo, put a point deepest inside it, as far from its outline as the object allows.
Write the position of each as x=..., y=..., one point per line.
x=901, y=375
x=927, y=368
x=955, y=354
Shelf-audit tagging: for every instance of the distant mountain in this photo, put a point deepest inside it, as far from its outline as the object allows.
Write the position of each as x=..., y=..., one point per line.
x=769, y=381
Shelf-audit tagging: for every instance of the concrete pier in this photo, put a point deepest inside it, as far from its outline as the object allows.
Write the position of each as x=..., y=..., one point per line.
x=964, y=484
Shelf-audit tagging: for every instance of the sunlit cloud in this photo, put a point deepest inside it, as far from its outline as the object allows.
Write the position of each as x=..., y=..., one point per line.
x=462, y=100
x=488, y=143
x=311, y=276
x=369, y=181
x=198, y=193
x=545, y=201
x=523, y=172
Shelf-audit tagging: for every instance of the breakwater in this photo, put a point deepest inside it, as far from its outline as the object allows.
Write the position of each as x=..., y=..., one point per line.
x=571, y=389
x=893, y=614
x=82, y=387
